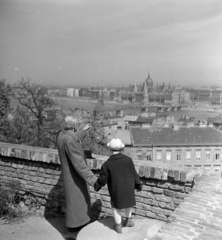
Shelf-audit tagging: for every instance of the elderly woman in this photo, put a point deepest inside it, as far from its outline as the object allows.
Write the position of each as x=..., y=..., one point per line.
x=75, y=172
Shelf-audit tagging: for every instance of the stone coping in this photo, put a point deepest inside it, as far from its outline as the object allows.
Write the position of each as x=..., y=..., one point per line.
x=199, y=217
x=161, y=171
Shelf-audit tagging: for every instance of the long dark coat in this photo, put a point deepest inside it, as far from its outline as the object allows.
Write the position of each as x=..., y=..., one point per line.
x=119, y=173
x=76, y=175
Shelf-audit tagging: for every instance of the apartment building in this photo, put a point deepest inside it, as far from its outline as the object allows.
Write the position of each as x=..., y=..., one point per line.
x=199, y=147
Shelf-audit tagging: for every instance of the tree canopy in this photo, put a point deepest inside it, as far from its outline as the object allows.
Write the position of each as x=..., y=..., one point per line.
x=37, y=119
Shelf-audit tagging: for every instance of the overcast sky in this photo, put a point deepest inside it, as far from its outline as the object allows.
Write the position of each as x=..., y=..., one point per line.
x=87, y=42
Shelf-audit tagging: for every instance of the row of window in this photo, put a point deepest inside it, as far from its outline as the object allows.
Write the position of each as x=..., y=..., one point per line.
x=198, y=156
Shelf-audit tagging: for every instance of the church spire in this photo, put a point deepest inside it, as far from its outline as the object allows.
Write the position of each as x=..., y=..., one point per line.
x=101, y=100
x=135, y=88
x=145, y=94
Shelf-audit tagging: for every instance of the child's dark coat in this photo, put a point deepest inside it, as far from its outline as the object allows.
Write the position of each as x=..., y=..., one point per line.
x=119, y=173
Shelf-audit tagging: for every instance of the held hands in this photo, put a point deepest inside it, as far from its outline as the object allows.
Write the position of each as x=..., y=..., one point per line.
x=139, y=186
x=97, y=187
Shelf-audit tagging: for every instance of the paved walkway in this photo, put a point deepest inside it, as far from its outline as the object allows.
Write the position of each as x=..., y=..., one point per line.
x=199, y=217
x=36, y=228
x=103, y=230
x=39, y=228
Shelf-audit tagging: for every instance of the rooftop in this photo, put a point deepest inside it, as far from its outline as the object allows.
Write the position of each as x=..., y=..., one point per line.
x=182, y=136
x=124, y=135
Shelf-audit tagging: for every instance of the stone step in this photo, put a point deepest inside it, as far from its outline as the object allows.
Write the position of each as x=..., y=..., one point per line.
x=103, y=230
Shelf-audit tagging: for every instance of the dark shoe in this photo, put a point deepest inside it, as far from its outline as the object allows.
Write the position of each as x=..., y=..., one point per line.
x=118, y=228
x=129, y=222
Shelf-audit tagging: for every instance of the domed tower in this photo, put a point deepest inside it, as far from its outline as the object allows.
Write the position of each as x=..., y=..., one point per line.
x=149, y=82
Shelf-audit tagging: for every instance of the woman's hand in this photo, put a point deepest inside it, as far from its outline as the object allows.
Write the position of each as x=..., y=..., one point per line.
x=87, y=127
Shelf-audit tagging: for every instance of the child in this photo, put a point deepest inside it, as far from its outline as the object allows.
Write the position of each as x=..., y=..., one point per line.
x=119, y=173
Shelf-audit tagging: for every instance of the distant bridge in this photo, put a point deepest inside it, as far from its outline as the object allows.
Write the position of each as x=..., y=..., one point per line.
x=149, y=108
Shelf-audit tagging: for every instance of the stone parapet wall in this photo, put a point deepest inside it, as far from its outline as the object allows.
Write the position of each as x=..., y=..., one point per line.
x=39, y=172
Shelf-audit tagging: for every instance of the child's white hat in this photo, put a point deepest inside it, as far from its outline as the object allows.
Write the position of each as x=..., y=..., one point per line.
x=115, y=144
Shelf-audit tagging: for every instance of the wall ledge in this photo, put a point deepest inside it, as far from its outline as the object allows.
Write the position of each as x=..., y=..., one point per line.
x=160, y=171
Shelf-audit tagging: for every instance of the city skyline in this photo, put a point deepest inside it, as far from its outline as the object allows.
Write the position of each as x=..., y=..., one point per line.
x=75, y=42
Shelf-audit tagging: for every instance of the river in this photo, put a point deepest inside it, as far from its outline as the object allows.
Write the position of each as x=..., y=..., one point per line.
x=199, y=114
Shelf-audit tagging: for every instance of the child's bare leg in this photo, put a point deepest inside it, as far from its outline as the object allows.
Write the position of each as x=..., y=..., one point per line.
x=118, y=220
x=128, y=212
x=117, y=215
x=128, y=222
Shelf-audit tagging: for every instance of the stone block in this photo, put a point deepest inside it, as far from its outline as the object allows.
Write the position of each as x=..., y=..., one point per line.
x=188, y=189
x=140, y=212
x=163, y=198
x=54, y=182
x=21, y=166
x=147, y=188
x=158, y=210
x=48, y=171
x=170, y=206
x=56, y=172
x=161, y=217
x=147, y=172
x=158, y=173
x=139, y=199
x=189, y=177
x=106, y=204
x=20, y=175
x=106, y=198
x=150, y=195
x=176, y=187
x=42, y=170
x=99, y=163
x=177, y=200
x=169, y=193
x=171, y=173
x=26, y=177
x=141, y=171
x=180, y=195
x=163, y=184
x=150, y=214
x=49, y=181
x=142, y=206
x=32, y=173
x=151, y=202
x=152, y=172
x=150, y=182
x=8, y=174
x=162, y=204
x=34, y=179
x=157, y=190
x=14, y=165
x=176, y=175
x=142, y=194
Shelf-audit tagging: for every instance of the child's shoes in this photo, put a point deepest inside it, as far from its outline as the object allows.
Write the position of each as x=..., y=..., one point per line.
x=118, y=228
x=129, y=222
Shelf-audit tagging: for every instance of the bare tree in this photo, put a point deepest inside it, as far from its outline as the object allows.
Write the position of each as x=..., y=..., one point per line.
x=5, y=91
x=34, y=98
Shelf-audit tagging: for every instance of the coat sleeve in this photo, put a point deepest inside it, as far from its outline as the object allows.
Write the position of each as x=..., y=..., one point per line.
x=138, y=182
x=79, y=163
x=80, y=134
x=102, y=179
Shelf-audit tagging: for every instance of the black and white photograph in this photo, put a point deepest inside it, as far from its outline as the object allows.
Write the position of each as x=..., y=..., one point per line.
x=110, y=120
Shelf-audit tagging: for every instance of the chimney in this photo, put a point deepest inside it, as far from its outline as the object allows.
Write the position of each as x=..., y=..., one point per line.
x=190, y=124
x=202, y=124
x=175, y=127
